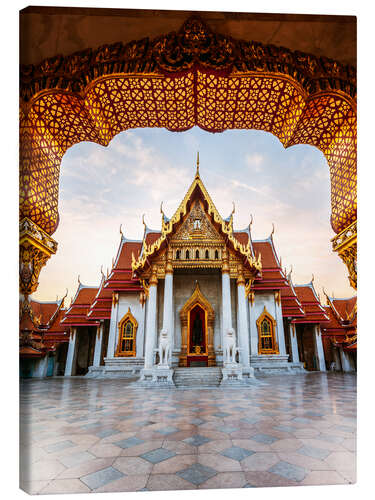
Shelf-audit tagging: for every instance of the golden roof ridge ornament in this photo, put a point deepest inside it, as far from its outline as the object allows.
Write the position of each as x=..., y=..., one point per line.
x=167, y=227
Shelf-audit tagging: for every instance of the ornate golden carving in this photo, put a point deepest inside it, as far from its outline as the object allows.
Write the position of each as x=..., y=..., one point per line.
x=128, y=317
x=266, y=315
x=195, y=45
x=197, y=298
x=345, y=244
x=226, y=227
x=115, y=299
x=36, y=247
x=154, y=279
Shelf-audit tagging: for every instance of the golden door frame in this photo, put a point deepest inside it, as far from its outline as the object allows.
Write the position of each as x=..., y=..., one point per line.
x=197, y=298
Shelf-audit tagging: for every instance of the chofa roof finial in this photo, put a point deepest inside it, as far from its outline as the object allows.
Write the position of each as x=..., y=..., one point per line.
x=251, y=220
x=79, y=280
x=234, y=208
x=143, y=221
x=312, y=278
x=273, y=229
x=122, y=234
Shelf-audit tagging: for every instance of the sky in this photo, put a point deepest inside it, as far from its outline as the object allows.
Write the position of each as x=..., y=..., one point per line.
x=103, y=187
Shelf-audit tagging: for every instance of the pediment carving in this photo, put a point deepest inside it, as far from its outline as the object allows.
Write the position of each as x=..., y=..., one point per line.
x=197, y=226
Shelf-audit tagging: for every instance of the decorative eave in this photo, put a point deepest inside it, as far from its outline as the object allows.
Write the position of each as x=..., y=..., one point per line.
x=168, y=227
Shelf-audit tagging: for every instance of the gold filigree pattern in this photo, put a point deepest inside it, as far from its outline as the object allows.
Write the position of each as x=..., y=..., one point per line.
x=179, y=80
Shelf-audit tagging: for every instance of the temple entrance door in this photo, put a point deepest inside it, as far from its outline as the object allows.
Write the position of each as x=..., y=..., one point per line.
x=197, y=340
x=197, y=331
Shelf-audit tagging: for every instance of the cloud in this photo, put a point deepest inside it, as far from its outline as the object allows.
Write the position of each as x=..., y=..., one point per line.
x=102, y=187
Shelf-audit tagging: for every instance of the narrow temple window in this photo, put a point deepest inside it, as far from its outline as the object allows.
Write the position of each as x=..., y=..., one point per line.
x=197, y=254
x=207, y=255
x=216, y=254
x=187, y=255
x=177, y=254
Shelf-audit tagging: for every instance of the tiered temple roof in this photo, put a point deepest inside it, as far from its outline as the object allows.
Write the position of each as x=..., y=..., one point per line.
x=41, y=327
x=76, y=315
x=342, y=325
x=314, y=311
x=119, y=279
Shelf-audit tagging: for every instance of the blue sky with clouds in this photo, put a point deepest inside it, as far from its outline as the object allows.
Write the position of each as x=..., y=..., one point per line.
x=101, y=188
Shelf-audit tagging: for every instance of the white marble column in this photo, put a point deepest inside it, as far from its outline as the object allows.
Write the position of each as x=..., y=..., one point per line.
x=336, y=358
x=293, y=342
x=41, y=370
x=150, y=343
x=225, y=296
x=168, y=302
x=279, y=325
x=242, y=325
x=345, y=361
x=98, y=344
x=319, y=351
x=71, y=356
x=253, y=326
x=113, y=326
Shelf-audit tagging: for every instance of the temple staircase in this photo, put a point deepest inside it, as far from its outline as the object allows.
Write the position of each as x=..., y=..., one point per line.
x=197, y=377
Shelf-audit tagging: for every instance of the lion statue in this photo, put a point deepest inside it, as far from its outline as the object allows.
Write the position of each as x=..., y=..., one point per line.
x=164, y=348
x=230, y=349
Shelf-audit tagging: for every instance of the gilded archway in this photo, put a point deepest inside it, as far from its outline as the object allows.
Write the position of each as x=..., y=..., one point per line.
x=194, y=77
x=197, y=299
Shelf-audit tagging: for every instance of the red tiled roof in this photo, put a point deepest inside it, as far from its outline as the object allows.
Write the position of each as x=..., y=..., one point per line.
x=267, y=255
x=124, y=254
x=290, y=304
x=342, y=317
x=44, y=310
x=272, y=275
x=151, y=237
x=242, y=237
x=345, y=306
x=314, y=311
x=77, y=313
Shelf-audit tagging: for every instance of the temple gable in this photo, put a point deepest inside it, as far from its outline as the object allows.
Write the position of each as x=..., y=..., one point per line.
x=197, y=226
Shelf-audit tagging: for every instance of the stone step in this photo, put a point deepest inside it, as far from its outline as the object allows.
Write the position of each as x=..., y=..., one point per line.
x=197, y=377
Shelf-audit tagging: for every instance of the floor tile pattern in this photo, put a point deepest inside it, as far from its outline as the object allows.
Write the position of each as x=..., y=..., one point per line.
x=81, y=435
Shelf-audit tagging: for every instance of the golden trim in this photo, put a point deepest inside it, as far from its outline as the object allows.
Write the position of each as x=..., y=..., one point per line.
x=266, y=315
x=197, y=298
x=128, y=354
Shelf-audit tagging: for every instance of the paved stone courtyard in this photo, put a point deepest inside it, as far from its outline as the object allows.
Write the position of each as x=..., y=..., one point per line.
x=82, y=435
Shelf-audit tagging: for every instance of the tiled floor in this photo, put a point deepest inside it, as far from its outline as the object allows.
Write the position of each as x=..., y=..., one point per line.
x=82, y=435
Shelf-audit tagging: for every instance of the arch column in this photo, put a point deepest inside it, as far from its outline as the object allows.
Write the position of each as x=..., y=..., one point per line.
x=151, y=320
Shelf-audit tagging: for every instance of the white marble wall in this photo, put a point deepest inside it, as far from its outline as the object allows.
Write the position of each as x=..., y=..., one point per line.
x=119, y=310
x=262, y=299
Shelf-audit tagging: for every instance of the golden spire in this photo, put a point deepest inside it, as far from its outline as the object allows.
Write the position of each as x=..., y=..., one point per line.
x=197, y=172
